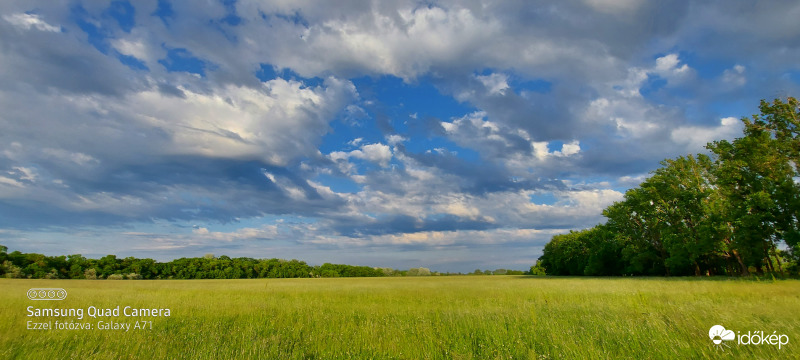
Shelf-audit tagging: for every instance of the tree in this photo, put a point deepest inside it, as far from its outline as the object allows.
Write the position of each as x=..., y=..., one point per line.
x=700, y=214
x=683, y=193
x=3, y=256
x=755, y=175
x=782, y=120
x=565, y=255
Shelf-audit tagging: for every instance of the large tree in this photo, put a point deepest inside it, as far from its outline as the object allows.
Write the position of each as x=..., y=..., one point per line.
x=756, y=178
x=726, y=213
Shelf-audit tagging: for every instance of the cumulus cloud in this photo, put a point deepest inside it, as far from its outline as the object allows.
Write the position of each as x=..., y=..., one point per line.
x=496, y=84
x=696, y=137
x=670, y=68
x=276, y=122
x=377, y=153
x=734, y=77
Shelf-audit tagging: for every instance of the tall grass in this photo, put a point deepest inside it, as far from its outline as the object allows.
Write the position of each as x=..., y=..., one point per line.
x=480, y=317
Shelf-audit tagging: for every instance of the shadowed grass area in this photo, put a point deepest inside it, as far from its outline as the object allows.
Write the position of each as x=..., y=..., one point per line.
x=466, y=317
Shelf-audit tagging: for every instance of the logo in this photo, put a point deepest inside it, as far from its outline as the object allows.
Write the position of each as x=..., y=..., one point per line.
x=718, y=334
x=47, y=294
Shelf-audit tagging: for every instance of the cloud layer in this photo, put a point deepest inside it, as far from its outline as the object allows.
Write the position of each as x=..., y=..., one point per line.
x=451, y=135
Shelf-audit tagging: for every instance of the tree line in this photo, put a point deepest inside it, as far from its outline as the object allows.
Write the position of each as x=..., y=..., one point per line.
x=38, y=266
x=732, y=212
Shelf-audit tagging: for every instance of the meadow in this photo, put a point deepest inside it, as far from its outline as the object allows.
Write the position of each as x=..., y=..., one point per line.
x=459, y=317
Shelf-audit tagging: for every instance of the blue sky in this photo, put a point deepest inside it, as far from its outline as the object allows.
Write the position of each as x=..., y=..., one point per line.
x=452, y=135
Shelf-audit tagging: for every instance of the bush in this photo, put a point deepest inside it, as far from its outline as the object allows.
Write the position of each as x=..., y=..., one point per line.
x=537, y=269
x=53, y=274
x=90, y=274
x=12, y=271
x=115, y=277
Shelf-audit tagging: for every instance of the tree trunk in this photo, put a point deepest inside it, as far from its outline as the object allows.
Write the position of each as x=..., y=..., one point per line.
x=768, y=261
x=696, y=269
x=778, y=258
x=745, y=271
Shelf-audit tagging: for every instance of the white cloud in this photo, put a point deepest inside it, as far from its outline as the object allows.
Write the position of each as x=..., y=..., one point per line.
x=696, y=137
x=669, y=66
x=395, y=139
x=243, y=234
x=458, y=205
x=622, y=104
x=378, y=153
x=75, y=157
x=474, y=131
x=277, y=122
x=407, y=40
x=28, y=21
x=11, y=182
x=26, y=174
x=496, y=84
x=355, y=141
x=734, y=77
x=571, y=148
x=632, y=180
x=136, y=48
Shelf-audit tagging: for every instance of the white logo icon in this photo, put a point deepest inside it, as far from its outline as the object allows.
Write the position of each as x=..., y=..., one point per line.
x=47, y=294
x=717, y=333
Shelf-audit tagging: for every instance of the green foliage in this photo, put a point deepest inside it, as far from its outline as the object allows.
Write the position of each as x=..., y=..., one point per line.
x=593, y=252
x=421, y=271
x=698, y=215
x=537, y=269
x=12, y=271
x=339, y=270
x=90, y=274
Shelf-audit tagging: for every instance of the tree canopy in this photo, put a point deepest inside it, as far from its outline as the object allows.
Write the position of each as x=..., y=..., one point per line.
x=730, y=212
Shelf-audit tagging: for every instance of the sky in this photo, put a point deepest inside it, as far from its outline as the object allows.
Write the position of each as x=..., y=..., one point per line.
x=451, y=135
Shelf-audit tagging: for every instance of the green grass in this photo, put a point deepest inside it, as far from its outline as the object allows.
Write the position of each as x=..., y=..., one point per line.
x=466, y=317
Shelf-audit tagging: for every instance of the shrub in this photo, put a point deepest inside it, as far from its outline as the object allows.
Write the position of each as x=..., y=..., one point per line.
x=12, y=271
x=90, y=274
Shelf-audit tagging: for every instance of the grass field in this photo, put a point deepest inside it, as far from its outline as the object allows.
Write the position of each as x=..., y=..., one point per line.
x=465, y=317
